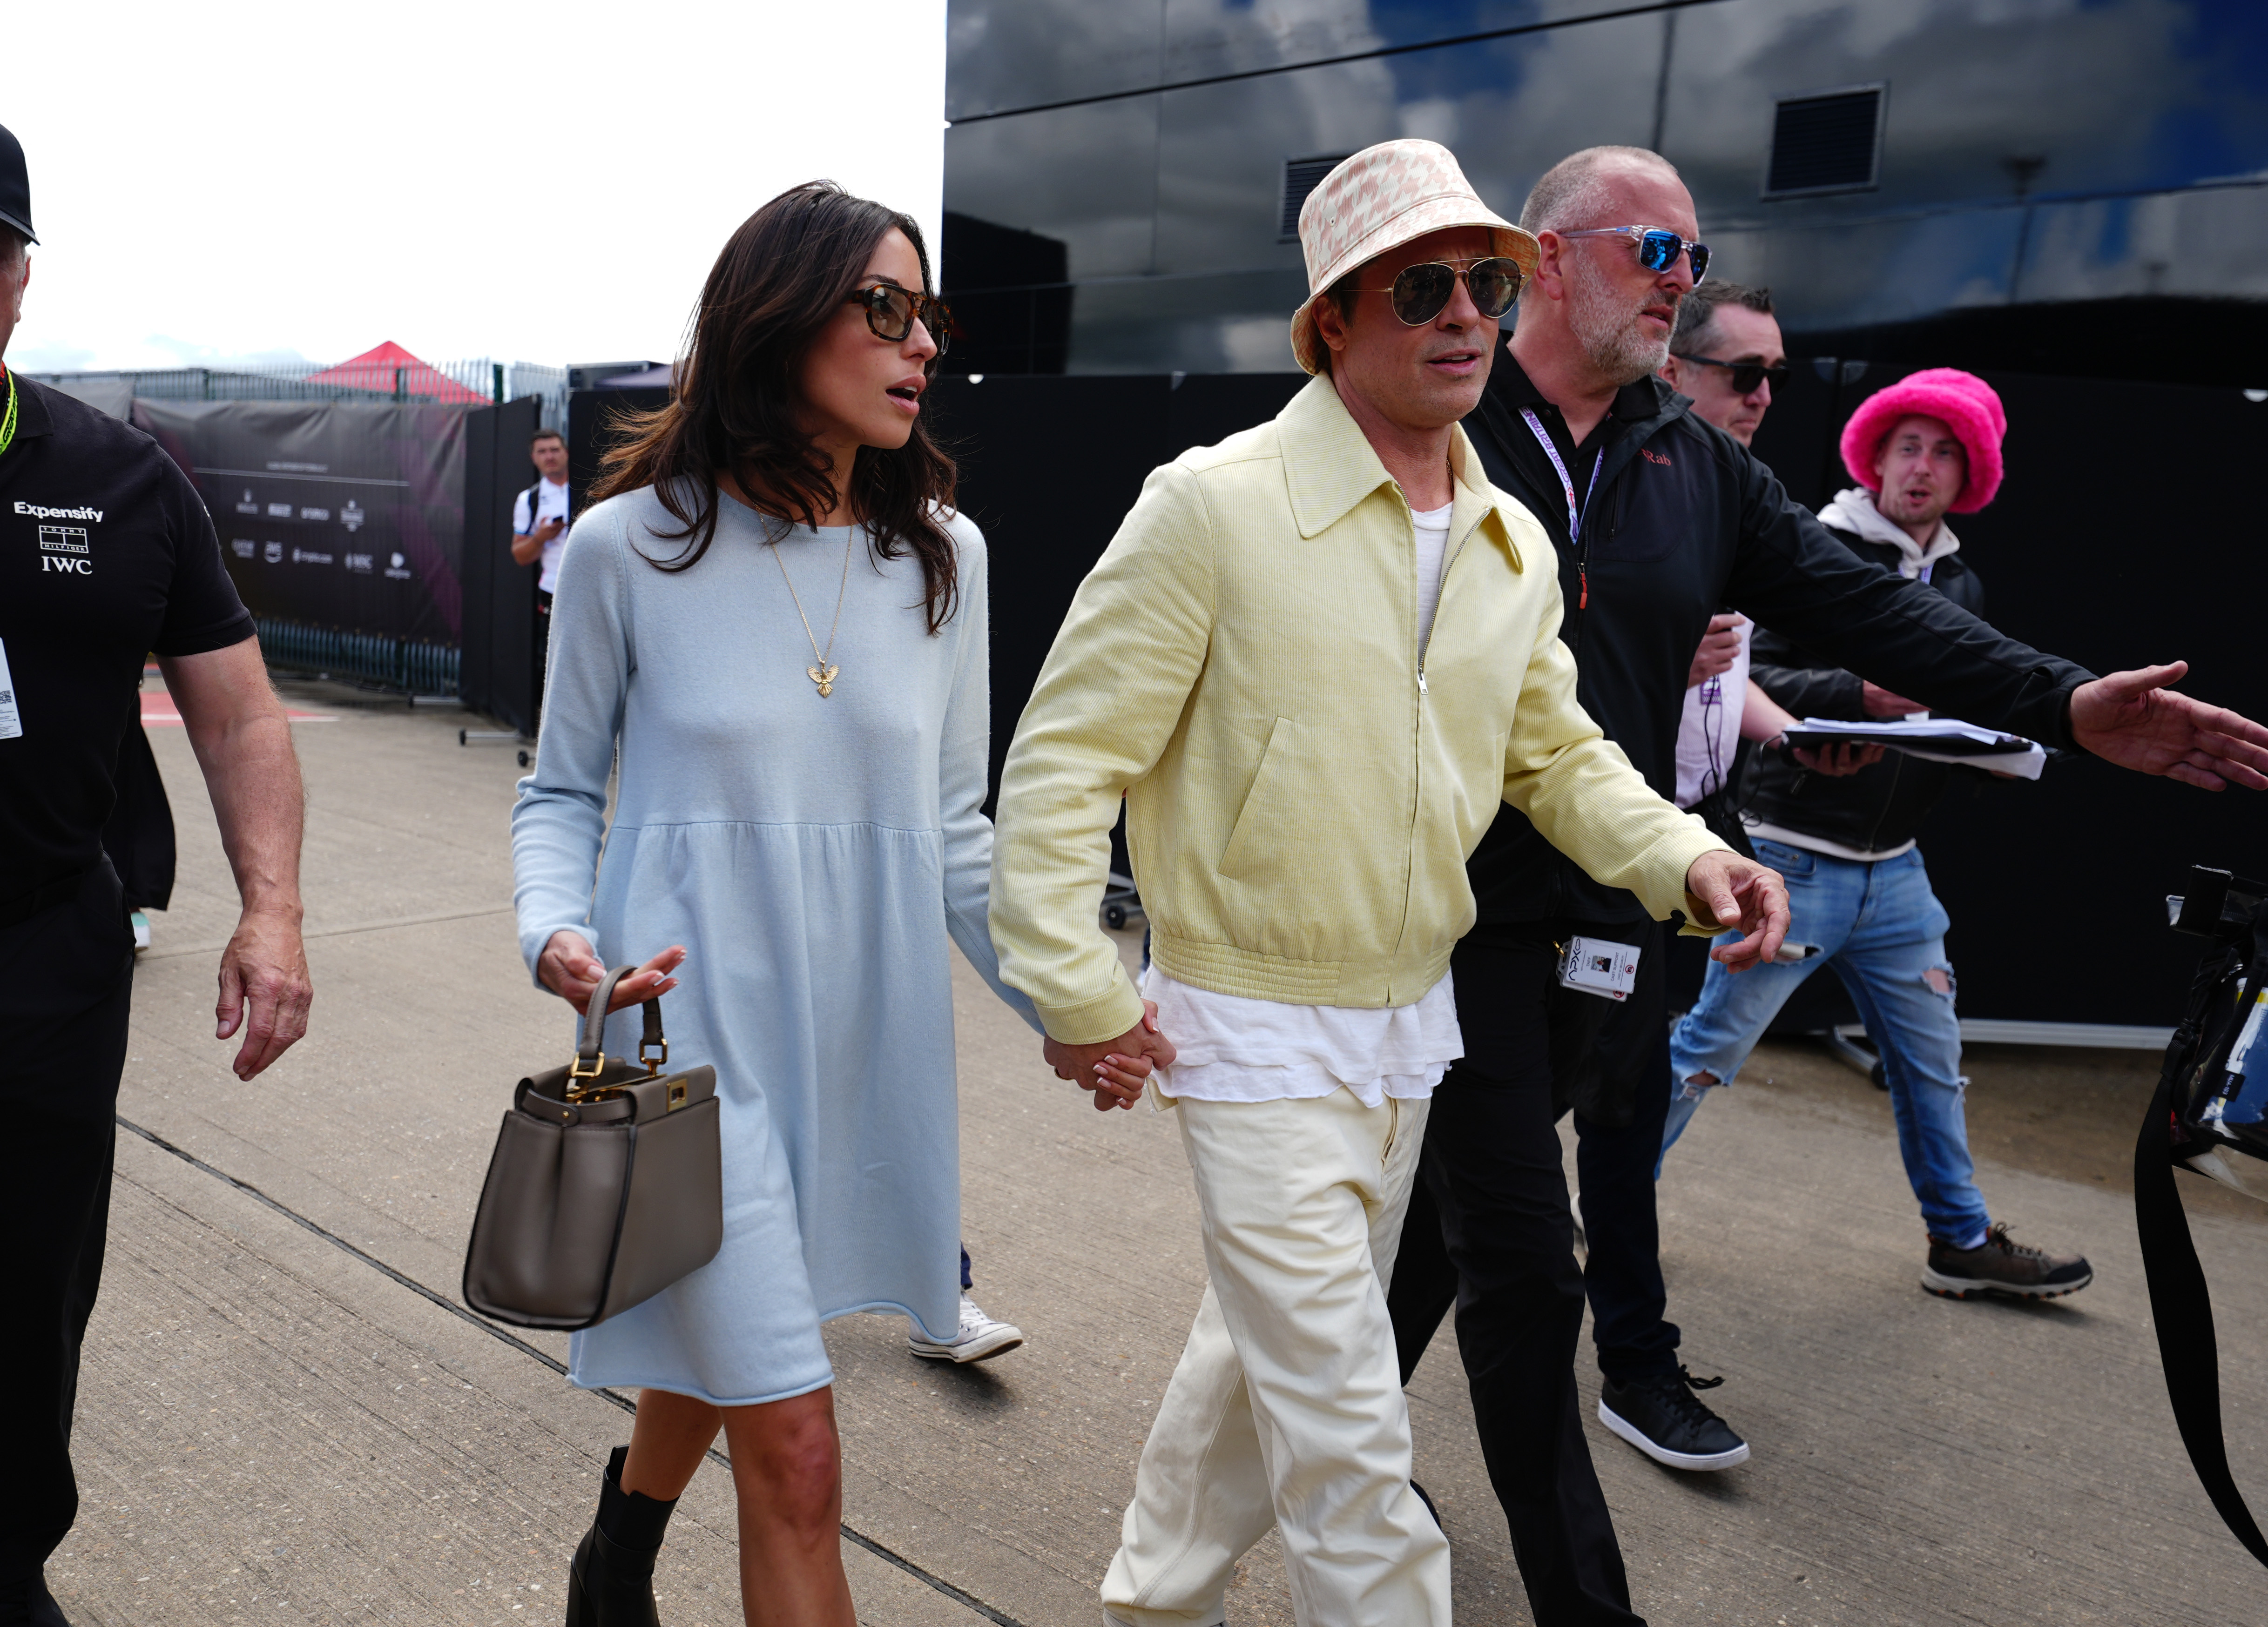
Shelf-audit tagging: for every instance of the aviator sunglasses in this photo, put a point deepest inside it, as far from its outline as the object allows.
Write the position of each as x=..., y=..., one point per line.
x=1658, y=247
x=1745, y=375
x=892, y=311
x=1422, y=292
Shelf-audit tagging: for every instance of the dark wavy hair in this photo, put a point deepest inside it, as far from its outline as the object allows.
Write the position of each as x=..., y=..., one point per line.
x=782, y=278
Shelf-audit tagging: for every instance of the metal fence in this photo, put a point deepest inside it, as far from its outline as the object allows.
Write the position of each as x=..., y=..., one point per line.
x=408, y=665
x=297, y=381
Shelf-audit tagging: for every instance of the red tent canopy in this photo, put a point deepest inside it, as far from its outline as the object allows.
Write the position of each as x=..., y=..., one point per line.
x=389, y=368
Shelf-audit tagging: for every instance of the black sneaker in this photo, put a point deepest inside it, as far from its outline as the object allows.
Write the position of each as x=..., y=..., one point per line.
x=1661, y=1416
x=1998, y=1266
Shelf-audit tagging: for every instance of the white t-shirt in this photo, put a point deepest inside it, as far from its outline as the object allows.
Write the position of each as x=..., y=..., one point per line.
x=1709, y=731
x=1432, y=544
x=1232, y=1049
x=550, y=504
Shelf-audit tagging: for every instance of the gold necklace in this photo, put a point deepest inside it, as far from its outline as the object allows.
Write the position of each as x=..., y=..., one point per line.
x=822, y=675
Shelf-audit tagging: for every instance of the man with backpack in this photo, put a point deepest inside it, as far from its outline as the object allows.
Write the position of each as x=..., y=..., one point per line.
x=540, y=519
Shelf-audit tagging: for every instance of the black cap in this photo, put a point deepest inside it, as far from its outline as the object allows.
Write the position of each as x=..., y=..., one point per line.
x=15, y=187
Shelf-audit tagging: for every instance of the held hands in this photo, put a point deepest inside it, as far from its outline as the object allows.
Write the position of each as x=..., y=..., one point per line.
x=265, y=988
x=1720, y=646
x=1741, y=893
x=570, y=968
x=2132, y=719
x=1115, y=1070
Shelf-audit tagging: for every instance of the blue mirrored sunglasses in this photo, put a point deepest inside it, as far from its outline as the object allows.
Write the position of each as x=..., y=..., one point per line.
x=1658, y=246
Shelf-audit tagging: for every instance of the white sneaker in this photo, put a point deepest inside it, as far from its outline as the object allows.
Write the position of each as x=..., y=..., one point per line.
x=978, y=1338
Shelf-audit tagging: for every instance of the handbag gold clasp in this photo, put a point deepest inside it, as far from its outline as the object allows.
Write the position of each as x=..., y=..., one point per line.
x=653, y=1064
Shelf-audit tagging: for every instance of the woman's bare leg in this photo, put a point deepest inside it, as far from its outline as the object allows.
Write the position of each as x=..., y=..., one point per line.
x=787, y=1468
x=787, y=1473
x=671, y=1436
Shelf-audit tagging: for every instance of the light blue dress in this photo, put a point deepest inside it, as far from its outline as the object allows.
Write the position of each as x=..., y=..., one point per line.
x=813, y=855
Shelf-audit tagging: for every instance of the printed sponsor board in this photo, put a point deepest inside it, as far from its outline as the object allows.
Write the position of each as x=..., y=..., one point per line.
x=340, y=514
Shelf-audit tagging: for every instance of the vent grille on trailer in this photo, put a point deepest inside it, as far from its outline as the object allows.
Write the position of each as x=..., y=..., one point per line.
x=1302, y=176
x=1827, y=142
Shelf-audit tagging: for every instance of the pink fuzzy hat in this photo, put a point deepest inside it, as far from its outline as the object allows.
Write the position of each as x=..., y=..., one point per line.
x=1969, y=405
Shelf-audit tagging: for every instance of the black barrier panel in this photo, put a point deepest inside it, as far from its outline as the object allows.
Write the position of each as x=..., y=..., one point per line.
x=1048, y=466
x=334, y=514
x=592, y=417
x=498, y=675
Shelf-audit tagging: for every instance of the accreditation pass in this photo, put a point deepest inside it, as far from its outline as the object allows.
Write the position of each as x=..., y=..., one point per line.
x=12, y=721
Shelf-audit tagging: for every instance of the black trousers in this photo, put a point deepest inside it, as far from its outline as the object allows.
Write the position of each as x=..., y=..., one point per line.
x=59, y=1070
x=1490, y=1231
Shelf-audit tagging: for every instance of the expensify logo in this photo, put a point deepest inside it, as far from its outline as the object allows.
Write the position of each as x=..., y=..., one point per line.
x=37, y=513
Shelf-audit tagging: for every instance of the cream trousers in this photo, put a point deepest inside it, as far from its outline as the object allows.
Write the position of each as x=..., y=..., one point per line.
x=1287, y=1407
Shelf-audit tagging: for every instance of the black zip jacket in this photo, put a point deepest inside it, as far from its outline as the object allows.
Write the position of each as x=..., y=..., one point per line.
x=1878, y=807
x=1683, y=522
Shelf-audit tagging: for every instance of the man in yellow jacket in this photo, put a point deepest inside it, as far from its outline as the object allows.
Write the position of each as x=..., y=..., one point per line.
x=1315, y=658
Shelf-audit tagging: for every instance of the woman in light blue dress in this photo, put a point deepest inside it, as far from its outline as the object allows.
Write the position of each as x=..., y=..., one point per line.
x=771, y=638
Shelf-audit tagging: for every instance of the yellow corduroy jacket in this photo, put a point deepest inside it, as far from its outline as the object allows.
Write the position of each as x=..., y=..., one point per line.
x=1303, y=783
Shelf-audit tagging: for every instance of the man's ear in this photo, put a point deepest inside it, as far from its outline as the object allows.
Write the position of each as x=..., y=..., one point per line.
x=1331, y=325
x=1551, y=279
x=1669, y=374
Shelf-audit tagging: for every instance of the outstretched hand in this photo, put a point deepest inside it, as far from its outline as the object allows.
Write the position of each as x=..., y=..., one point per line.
x=2131, y=718
x=1741, y=893
x=1115, y=1070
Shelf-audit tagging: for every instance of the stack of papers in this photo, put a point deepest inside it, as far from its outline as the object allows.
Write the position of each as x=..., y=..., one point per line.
x=1940, y=739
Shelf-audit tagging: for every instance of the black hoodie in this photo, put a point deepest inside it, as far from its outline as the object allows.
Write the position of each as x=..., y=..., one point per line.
x=1683, y=522
x=1877, y=808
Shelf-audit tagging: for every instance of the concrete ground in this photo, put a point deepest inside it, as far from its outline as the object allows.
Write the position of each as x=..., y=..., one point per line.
x=285, y=1415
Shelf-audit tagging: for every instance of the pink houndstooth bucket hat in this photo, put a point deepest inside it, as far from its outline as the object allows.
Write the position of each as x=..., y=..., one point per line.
x=1379, y=200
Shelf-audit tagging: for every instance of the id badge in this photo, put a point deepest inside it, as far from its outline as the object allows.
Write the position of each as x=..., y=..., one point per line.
x=1595, y=966
x=12, y=721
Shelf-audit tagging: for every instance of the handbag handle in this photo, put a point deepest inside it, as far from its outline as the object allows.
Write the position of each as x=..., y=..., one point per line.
x=589, y=1060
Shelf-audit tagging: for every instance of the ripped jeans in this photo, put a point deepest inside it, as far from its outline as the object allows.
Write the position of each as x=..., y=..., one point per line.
x=1882, y=929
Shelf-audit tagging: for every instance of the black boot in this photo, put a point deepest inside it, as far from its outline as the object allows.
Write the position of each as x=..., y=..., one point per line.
x=611, y=1584
x=30, y=1604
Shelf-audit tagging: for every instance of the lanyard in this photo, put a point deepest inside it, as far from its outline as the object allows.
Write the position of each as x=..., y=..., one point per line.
x=1567, y=488
x=8, y=420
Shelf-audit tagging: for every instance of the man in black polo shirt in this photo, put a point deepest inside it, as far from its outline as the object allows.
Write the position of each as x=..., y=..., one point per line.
x=1659, y=519
x=105, y=553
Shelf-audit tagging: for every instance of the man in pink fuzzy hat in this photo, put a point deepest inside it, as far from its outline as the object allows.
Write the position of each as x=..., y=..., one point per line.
x=1925, y=447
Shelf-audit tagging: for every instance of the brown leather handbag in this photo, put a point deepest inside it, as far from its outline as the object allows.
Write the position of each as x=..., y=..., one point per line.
x=606, y=1187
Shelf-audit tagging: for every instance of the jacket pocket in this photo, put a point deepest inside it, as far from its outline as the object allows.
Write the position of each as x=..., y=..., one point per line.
x=1260, y=830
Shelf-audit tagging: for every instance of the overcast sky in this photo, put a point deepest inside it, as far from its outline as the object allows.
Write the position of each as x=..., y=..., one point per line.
x=531, y=182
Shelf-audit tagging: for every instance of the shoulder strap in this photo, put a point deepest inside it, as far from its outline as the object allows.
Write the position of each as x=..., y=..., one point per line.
x=2181, y=1305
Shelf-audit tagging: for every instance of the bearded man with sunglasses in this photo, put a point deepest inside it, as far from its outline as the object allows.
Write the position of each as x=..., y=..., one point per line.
x=1658, y=518
x=1315, y=658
